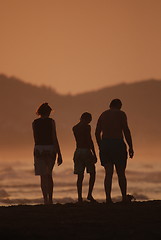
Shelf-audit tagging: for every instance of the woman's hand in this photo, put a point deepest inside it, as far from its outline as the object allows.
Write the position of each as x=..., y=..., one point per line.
x=59, y=159
x=131, y=152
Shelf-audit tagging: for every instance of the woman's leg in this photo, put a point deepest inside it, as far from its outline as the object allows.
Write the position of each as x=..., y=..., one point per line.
x=47, y=188
x=50, y=183
x=44, y=187
x=50, y=188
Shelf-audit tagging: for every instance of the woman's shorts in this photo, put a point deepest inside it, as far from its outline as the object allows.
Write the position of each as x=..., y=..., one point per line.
x=44, y=159
x=114, y=151
x=83, y=158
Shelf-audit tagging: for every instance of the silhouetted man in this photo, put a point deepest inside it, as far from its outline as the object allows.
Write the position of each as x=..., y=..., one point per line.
x=111, y=129
x=84, y=156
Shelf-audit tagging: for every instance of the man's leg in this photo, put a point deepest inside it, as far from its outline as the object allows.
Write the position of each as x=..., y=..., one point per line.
x=91, y=185
x=79, y=186
x=44, y=187
x=109, y=168
x=122, y=180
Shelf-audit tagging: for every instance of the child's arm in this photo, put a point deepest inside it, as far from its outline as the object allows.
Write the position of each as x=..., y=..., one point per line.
x=92, y=144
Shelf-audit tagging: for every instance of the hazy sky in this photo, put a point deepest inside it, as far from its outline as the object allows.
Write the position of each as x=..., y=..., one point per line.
x=80, y=45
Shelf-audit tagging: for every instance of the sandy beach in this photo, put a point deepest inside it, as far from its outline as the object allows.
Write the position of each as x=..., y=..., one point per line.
x=137, y=220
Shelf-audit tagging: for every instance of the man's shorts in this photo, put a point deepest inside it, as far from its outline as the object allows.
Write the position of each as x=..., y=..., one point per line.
x=44, y=159
x=113, y=151
x=83, y=158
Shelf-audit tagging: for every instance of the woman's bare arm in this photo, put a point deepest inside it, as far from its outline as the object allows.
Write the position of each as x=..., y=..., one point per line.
x=55, y=140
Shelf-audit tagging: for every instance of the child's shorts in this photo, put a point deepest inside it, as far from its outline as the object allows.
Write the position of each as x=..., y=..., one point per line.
x=83, y=158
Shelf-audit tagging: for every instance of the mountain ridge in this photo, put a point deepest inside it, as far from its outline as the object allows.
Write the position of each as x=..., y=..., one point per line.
x=19, y=101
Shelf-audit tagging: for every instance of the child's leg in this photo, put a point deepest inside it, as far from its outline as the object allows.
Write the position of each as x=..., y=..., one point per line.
x=91, y=185
x=50, y=189
x=79, y=186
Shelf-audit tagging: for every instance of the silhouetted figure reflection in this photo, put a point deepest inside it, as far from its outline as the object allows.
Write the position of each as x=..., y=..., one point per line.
x=46, y=150
x=84, y=156
x=111, y=128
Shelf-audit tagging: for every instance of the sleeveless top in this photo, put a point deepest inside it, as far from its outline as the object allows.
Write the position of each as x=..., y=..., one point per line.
x=42, y=129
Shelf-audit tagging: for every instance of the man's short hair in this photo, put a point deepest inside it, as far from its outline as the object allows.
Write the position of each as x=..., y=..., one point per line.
x=86, y=116
x=116, y=103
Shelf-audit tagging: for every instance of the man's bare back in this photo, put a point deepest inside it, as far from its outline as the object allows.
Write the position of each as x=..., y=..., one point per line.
x=112, y=124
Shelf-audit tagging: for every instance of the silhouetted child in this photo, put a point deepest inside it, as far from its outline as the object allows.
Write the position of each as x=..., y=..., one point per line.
x=84, y=156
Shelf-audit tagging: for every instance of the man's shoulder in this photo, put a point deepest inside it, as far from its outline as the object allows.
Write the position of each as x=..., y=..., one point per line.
x=122, y=113
x=104, y=113
x=109, y=112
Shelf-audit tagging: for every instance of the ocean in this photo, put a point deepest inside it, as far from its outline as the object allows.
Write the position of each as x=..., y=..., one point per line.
x=19, y=185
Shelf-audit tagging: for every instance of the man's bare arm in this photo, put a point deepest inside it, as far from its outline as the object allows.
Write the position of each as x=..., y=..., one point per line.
x=98, y=133
x=128, y=137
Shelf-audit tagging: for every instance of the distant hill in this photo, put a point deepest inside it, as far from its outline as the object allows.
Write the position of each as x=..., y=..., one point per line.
x=19, y=100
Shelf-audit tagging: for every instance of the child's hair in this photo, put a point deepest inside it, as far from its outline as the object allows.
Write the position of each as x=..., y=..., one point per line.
x=44, y=110
x=116, y=103
x=86, y=116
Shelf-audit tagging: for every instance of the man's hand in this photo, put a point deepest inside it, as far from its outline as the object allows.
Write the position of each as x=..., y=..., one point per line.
x=59, y=160
x=131, y=153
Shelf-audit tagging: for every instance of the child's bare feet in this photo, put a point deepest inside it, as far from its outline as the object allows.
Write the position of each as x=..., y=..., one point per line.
x=91, y=199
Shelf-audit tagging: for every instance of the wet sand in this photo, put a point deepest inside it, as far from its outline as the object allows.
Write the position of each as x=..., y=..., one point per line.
x=137, y=220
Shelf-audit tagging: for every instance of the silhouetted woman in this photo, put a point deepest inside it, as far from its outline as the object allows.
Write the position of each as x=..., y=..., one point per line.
x=46, y=150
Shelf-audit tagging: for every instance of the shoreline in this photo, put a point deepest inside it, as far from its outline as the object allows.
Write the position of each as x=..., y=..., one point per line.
x=136, y=220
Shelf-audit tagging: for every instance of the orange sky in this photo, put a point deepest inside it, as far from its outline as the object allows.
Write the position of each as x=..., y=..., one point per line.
x=80, y=45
